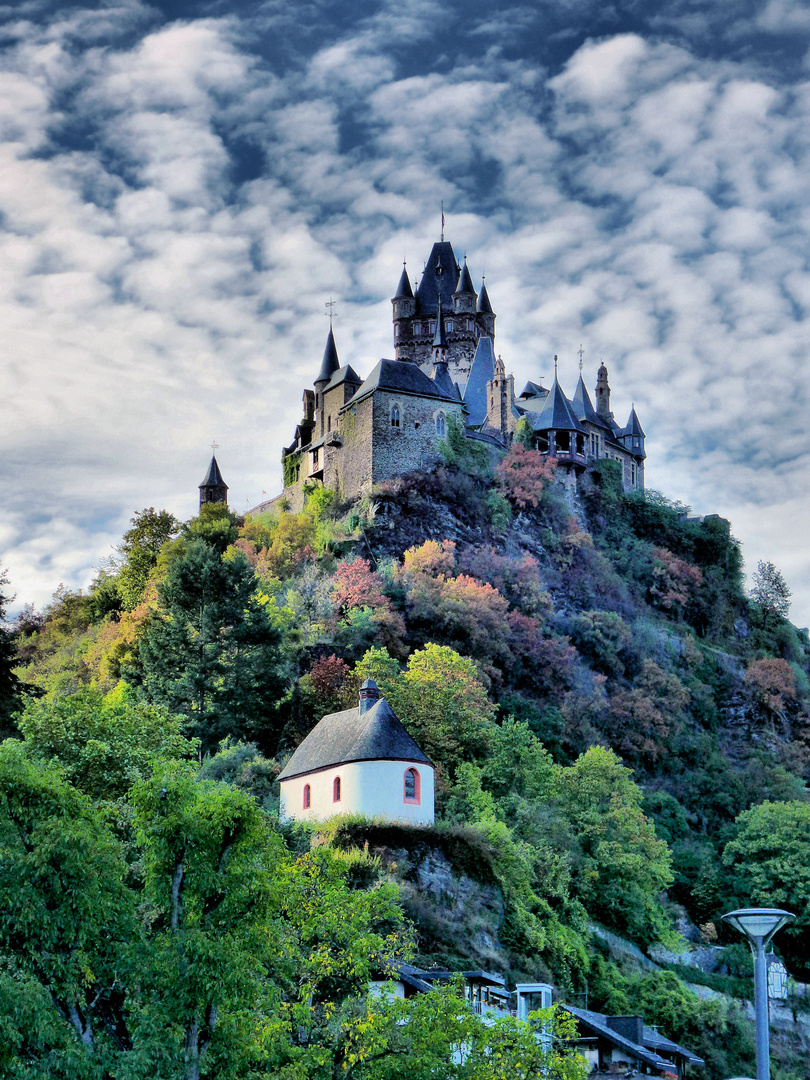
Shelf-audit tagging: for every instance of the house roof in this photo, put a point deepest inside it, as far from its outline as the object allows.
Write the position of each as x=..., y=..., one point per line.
x=482, y=371
x=342, y=375
x=403, y=378
x=213, y=478
x=352, y=735
x=330, y=363
x=597, y=1023
x=557, y=413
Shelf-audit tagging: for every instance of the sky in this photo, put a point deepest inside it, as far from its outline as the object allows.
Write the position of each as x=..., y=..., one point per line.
x=183, y=187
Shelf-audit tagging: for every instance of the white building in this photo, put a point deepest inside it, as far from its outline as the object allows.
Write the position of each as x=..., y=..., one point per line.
x=360, y=761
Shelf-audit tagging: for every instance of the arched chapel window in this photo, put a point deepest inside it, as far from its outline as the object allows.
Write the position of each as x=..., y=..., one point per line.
x=395, y=418
x=336, y=789
x=440, y=427
x=413, y=786
x=307, y=796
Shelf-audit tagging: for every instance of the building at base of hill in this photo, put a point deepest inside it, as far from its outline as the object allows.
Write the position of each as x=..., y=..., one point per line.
x=359, y=761
x=356, y=432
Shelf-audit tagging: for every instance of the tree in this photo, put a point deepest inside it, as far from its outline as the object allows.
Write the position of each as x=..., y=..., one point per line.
x=10, y=686
x=770, y=590
x=524, y=475
x=140, y=548
x=769, y=864
x=211, y=651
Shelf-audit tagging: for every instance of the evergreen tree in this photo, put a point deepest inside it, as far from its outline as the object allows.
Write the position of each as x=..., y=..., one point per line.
x=10, y=685
x=211, y=651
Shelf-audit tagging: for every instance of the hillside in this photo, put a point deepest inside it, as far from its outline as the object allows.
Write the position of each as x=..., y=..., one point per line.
x=622, y=735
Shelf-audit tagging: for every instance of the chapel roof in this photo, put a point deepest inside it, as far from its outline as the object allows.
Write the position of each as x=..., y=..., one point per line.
x=213, y=478
x=373, y=735
x=403, y=378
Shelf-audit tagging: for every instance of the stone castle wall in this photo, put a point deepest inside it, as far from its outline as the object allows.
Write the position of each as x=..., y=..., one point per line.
x=415, y=444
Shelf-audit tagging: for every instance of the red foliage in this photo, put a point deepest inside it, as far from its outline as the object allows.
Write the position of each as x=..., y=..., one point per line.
x=356, y=585
x=330, y=680
x=773, y=683
x=673, y=580
x=524, y=474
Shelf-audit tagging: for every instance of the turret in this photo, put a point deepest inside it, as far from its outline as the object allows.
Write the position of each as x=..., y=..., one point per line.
x=440, y=338
x=603, y=392
x=484, y=310
x=213, y=489
x=501, y=401
x=369, y=695
x=329, y=365
x=633, y=436
x=465, y=295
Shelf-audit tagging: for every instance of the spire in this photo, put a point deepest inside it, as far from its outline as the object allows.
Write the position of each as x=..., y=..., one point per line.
x=213, y=489
x=465, y=284
x=404, y=290
x=330, y=362
x=484, y=305
x=439, y=338
x=603, y=392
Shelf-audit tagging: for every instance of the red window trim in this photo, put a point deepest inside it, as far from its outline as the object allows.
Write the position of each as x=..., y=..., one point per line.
x=336, y=792
x=307, y=796
x=416, y=800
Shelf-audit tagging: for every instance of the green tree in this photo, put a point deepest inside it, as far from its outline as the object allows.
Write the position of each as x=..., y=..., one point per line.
x=620, y=865
x=769, y=865
x=770, y=590
x=139, y=550
x=215, y=524
x=10, y=686
x=212, y=650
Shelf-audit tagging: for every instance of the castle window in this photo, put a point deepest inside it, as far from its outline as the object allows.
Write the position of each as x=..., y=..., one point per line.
x=329, y=424
x=336, y=789
x=440, y=425
x=413, y=787
x=307, y=796
x=470, y=324
x=431, y=327
x=449, y=326
x=396, y=330
x=417, y=328
x=395, y=417
x=315, y=457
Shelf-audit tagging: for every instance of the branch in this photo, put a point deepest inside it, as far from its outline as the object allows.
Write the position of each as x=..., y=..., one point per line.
x=177, y=884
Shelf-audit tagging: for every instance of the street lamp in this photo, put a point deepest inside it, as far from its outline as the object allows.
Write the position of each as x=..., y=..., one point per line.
x=759, y=925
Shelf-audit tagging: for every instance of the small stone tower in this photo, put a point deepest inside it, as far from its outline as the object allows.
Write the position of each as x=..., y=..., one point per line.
x=603, y=392
x=501, y=401
x=213, y=489
x=329, y=366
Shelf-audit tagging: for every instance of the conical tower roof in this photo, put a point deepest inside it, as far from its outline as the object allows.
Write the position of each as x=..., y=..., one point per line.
x=583, y=406
x=483, y=304
x=404, y=289
x=439, y=338
x=213, y=478
x=465, y=284
x=330, y=362
x=633, y=425
x=438, y=279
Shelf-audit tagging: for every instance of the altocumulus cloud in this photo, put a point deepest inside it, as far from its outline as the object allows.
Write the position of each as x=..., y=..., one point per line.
x=180, y=196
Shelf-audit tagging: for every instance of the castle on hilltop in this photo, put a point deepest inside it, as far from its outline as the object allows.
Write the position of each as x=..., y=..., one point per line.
x=355, y=432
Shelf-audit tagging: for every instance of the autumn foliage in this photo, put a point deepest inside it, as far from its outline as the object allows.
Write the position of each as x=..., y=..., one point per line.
x=524, y=474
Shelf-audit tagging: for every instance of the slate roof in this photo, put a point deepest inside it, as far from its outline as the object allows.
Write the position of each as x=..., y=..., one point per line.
x=465, y=284
x=533, y=389
x=598, y=1023
x=213, y=478
x=439, y=338
x=434, y=285
x=404, y=288
x=441, y=378
x=482, y=371
x=342, y=375
x=557, y=413
x=633, y=426
x=583, y=406
x=373, y=735
x=330, y=363
x=483, y=304
x=403, y=378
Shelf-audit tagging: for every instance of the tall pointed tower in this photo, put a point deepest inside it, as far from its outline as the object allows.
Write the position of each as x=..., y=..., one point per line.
x=213, y=489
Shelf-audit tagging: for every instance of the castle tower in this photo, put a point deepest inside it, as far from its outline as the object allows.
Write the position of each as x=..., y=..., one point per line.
x=213, y=489
x=501, y=400
x=603, y=392
x=468, y=316
x=329, y=366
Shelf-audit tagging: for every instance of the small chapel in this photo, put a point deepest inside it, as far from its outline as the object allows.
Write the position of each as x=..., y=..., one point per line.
x=357, y=431
x=359, y=761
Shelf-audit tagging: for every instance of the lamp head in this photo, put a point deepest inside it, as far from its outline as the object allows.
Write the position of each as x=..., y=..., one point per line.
x=758, y=924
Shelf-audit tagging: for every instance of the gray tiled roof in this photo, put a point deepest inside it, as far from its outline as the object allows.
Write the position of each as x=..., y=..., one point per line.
x=404, y=287
x=433, y=285
x=483, y=304
x=533, y=389
x=373, y=735
x=557, y=413
x=633, y=426
x=598, y=1023
x=482, y=371
x=330, y=363
x=465, y=284
x=403, y=378
x=342, y=375
x=441, y=378
x=583, y=406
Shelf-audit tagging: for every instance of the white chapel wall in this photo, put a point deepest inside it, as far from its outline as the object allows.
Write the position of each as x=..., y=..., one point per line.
x=371, y=788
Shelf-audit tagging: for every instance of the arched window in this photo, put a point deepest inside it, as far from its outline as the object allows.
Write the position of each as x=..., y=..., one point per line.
x=307, y=796
x=395, y=417
x=440, y=427
x=336, y=789
x=413, y=786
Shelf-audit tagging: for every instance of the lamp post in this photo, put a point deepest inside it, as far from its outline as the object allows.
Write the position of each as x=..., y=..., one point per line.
x=759, y=925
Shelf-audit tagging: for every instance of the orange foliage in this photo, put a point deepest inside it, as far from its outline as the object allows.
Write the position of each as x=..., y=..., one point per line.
x=432, y=558
x=772, y=682
x=524, y=474
x=673, y=580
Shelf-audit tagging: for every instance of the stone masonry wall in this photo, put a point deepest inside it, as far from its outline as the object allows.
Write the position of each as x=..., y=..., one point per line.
x=348, y=467
x=415, y=444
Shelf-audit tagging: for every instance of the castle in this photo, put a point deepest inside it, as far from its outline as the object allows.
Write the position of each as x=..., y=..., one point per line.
x=356, y=432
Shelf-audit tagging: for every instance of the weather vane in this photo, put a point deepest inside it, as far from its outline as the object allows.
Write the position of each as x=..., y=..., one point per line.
x=330, y=305
x=215, y=446
x=581, y=354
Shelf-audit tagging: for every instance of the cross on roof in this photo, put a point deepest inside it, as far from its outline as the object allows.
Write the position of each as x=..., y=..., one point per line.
x=581, y=354
x=215, y=446
x=330, y=309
